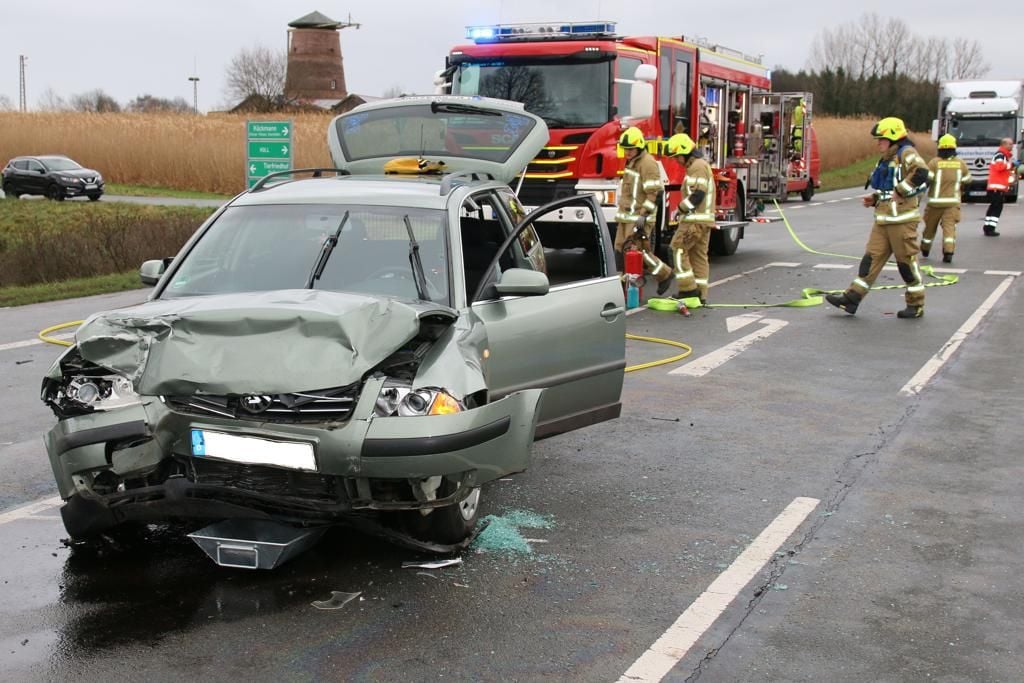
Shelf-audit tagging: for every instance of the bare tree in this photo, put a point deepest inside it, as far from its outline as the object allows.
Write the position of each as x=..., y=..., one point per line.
x=94, y=101
x=966, y=59
x=393, y=91
x=49, y=100
x=257, y=71
x=149, y=104
x=6, y=104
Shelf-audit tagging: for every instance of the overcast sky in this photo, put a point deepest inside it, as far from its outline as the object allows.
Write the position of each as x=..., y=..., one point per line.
x=133, y=47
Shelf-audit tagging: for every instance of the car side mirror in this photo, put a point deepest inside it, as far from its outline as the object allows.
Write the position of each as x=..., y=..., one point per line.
x=151, y=271
x=41, y=171
x=522, y=282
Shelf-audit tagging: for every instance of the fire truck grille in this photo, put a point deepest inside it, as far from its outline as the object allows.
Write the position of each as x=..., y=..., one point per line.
x=537, y=192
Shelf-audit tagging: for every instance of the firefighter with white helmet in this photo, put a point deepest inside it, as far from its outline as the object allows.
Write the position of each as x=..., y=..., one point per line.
x=898, y=180
x=641, y=185
x=696, y=215
x=947, y=176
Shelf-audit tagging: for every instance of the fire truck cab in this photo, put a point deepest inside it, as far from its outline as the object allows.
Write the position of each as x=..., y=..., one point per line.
x=583, y=80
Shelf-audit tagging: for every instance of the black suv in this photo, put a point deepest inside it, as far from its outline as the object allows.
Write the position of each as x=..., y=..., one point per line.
x=54, y=176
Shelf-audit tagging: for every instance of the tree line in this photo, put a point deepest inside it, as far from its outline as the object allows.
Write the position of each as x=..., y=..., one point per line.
x=878, y=67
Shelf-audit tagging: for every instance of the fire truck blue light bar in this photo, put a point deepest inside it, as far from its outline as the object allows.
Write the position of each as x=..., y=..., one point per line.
x=505, y=31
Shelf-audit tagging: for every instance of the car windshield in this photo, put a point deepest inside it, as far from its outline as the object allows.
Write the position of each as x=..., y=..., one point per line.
x=263, y=248
x=978, y=132
x=564, y=94
x=61, y=165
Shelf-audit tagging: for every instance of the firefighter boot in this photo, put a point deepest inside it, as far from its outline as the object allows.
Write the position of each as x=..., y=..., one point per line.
x=692, y=294
x=848, y=301
x=926, y=247
x=947, y=257
x=911, y=312
x=664, y=285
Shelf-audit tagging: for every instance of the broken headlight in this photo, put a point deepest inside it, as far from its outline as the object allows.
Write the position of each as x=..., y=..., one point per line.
x=404, y=401
x=80, y=394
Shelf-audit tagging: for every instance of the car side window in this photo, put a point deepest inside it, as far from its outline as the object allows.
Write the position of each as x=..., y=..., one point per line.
x=21, y=165
x=571, y=243
x=35, y=166
x=483, y=229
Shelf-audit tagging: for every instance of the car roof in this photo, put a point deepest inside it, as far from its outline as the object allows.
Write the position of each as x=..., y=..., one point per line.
x=423, y=192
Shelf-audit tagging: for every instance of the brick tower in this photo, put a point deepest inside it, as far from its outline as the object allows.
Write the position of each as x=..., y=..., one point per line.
x=315, y=70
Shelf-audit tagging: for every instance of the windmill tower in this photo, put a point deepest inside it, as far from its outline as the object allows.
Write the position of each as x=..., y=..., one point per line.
x=315, y=69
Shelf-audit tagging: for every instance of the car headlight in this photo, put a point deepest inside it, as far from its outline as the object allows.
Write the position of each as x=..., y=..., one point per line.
x=68, y=179
x=91, y=393
x=404, y=401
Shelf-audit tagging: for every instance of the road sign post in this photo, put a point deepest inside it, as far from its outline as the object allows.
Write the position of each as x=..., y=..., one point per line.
x=268, y=149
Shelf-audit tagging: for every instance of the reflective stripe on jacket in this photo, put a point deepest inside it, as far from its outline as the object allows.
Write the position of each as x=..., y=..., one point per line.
x=999, y=175
x=947, y=178
x=699, y=177
x=902, y=203
x=641, y=184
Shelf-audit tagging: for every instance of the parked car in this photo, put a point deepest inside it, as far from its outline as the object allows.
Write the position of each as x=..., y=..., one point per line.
x=327, y=347
x=54, y=176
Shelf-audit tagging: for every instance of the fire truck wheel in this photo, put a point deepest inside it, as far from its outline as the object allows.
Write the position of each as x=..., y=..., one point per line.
x=1011, y=199
x=808, y=191
x=725, y=241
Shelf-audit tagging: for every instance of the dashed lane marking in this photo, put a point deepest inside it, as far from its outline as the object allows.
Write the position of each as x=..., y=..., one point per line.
x=935, y=363
x=673, y=645
x=33, y=342
x=26, y=511
x=833, y=266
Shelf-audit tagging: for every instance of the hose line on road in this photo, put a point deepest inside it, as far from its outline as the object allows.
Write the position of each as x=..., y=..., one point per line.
x=44, y=334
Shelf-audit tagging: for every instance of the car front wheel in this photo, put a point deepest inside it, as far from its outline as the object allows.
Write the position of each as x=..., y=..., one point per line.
x=451, y=524
x=55, y=193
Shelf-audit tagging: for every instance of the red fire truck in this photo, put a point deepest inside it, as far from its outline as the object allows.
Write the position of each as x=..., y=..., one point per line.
x=589, y=84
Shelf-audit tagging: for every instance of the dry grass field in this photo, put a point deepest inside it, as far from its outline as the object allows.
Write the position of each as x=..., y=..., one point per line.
x=207, y=153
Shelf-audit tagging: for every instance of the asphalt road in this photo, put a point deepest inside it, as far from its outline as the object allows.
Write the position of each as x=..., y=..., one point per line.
x=896, y=442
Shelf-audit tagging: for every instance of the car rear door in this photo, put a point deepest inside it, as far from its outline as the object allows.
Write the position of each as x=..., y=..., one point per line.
x=571, y=340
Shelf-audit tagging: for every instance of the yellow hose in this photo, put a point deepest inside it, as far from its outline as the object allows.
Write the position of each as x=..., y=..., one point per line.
x=656, y=363
x=53, y=340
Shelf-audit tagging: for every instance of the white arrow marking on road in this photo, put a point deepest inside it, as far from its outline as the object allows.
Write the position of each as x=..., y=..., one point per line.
x=738, y=322
x=707, y=363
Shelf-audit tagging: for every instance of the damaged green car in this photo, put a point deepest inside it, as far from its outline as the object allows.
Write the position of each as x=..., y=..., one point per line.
x=377, y=342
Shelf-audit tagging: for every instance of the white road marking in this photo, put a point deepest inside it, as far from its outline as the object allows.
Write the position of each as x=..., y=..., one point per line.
x=954, y=271
x=33, y=342
x=935, y=363
x=833, y=266
x=833, y=201
x=738, y=322
x=815, y=204
x=708, y=362
x=29, y=509
x=673, y=645
x=1014, y=273
x=782, y=264
x=634, y=311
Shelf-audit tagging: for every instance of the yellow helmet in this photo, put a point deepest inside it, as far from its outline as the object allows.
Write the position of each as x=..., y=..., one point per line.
x=890, y=128
x=947, y=141
x=632, y=138
x=679, y=144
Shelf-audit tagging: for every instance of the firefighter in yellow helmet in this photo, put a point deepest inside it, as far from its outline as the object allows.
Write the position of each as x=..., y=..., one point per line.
x=796, y=129
x=947, y=176
x=638, y=194
x=696, y=216
x=898, y=180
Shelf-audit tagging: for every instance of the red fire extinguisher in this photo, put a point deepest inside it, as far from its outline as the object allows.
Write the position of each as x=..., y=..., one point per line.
x=740, y=145
x=634, y=265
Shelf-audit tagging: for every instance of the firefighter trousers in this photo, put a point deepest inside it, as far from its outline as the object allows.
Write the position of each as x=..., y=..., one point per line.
x=945, y=216
x=690, y=255
x=627, y=239
x=898, y=240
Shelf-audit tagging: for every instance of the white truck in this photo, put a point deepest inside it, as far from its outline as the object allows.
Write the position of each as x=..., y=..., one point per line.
x=979, y=114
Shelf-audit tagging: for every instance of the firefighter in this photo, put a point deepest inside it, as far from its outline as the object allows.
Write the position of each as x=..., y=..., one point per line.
x=1000, y=176
x=796, y=130
x=947, y=176
x=898, y=179
x=641, y=184
x=696, y=216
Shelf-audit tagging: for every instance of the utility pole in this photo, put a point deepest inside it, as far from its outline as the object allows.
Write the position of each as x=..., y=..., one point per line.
x=195, y=93
x=22, y=101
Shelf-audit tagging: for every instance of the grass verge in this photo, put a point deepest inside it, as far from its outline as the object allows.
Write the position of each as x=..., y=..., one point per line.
x=69, y=289
x=147, y=191
x=853, y=175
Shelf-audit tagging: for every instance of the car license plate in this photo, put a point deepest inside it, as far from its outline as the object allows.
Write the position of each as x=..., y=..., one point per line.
x=252, y=450
x=90, y=186
x=979, y=193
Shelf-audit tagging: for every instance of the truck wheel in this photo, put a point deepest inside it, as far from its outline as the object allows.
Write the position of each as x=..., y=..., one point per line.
x=808, y=191
x=725, y=242
x=1011, y=199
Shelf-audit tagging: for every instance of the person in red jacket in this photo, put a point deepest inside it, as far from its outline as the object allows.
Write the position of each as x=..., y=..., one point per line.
x=1000, y=176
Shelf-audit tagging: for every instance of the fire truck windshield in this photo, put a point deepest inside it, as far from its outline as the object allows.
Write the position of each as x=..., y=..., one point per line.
x=981, y=132
x=564, y=94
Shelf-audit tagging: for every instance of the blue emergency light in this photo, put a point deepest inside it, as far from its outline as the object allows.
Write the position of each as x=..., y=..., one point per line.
x=497, y=32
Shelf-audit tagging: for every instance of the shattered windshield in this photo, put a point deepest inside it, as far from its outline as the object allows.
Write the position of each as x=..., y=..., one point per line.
x=265, y=248
x=564, y=94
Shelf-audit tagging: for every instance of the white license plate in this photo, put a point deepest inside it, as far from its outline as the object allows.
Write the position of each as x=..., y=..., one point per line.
x=977, y=193
x=252, y=450
x=90, y=186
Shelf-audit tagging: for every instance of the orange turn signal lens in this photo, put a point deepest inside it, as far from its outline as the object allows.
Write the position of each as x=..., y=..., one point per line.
x=444, y=405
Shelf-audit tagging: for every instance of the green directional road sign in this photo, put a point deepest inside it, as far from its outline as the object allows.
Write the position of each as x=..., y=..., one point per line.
x=268, y=148
x=275, y=130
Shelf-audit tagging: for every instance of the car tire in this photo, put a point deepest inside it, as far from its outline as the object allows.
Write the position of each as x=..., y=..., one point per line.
x=55, y=193
x=808, y=191
x=451, y=524
x=9, y=192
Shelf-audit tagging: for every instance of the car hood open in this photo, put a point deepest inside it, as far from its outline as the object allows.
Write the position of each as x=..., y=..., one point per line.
x=262, y=342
